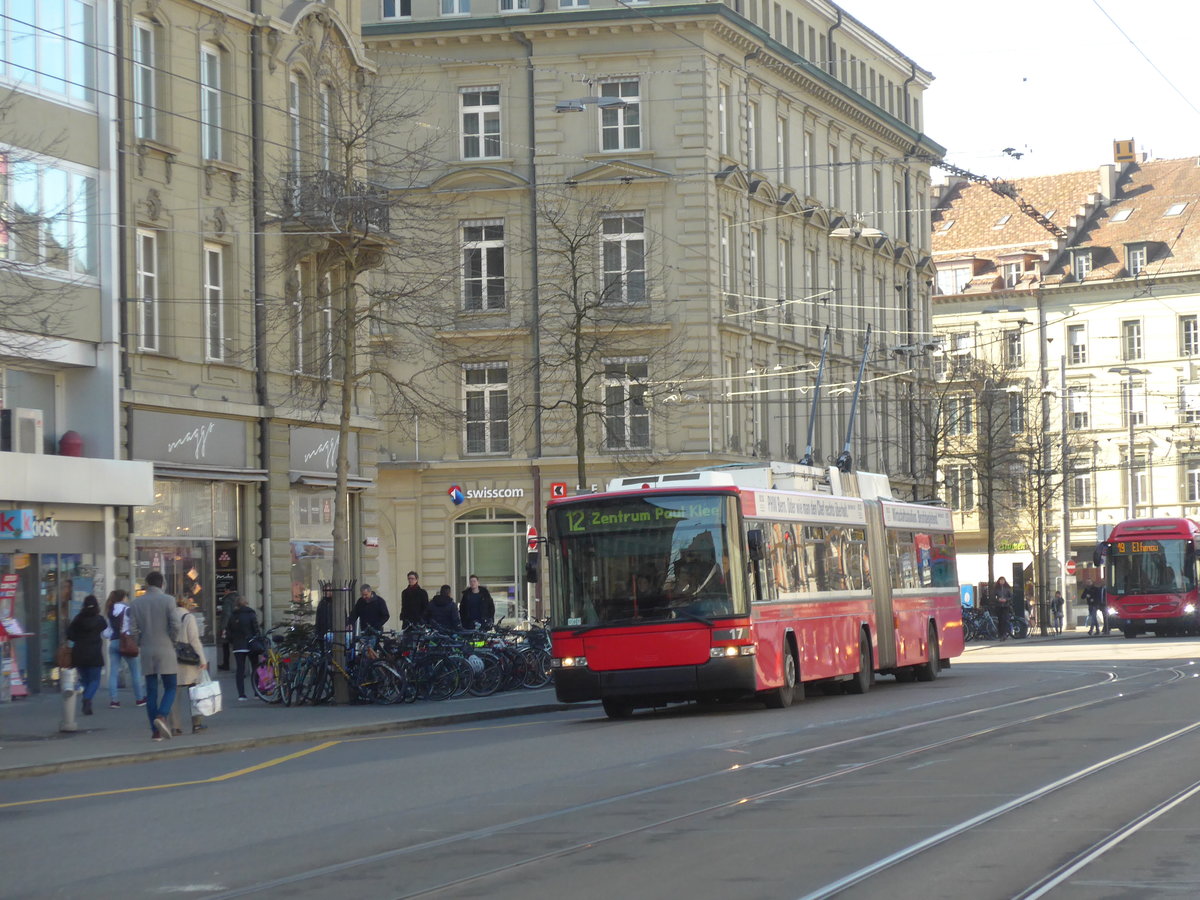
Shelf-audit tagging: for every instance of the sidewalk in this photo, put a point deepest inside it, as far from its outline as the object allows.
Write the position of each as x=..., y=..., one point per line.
x=31, y=744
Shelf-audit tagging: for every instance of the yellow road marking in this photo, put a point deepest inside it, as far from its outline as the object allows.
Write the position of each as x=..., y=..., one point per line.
x=238, y=773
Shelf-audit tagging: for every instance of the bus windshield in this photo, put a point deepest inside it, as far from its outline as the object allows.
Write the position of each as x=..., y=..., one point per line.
x=643, y=558
x=1151, y=566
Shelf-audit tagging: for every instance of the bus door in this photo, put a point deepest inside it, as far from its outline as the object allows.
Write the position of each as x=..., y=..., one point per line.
x=881, y=587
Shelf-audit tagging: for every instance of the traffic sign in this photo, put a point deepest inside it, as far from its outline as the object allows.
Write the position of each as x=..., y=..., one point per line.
x=1070, y=567
x=531, y=539
x=558, y=489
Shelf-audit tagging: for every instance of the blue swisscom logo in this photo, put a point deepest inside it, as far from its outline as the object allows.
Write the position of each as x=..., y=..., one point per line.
x=456, y=495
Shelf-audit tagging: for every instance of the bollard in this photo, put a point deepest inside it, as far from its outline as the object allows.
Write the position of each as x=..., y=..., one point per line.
x=68, y=683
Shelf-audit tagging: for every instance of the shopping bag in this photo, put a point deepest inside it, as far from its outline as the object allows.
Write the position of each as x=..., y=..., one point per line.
x=205, y=696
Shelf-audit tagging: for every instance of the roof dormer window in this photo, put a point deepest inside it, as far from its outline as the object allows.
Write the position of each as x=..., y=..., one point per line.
x=946, y=226
x=1175, y=209
x=1136, y=257
x=1122, y=214
x=1002, y=221
x=1081, y=263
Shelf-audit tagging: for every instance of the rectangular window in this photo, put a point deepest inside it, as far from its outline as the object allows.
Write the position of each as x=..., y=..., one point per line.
x=1131, y=339
x=573, y=4
x=1077, y=342
x=1189, y=402
x=726, y=261
x=147, y=290
x=1133, y=403
x=487, y=407
x=397, y=9
x=1189, y=336
x=810, y=163
x=623, y=251
x=1135, y=259
x=626, y=417
x=1014, y=348
x=753, y=130
x=456, y=7
x=1191, y=478
x=959, y=418
x=1016, y=413
x=723, y=109
x=784, y=286
x=1011, y=272
x=483, y=265
x=480, y=122
x=1079, y=406
x=1141, y=482
x=514, y=6
x=49, y=46
x=835, y=178
x=621, y=126
x=214, y=306
x=49, y=214
x=754, y=284
x=1081, y=265
x=210, y=102
x=1081, y=483
x=294, y=122
x=144, y=121
x=953, y=279
x=299, y=331
x=325, y=127
x=783, y=153
x=960, y=488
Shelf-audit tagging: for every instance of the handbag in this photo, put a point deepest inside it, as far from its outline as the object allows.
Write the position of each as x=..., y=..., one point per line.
x=185, y=654
x=127, y=646
x=62, y=658
x=205, y=696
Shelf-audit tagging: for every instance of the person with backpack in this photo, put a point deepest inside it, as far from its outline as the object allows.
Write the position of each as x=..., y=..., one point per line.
x=86, y=632
x=116, y=609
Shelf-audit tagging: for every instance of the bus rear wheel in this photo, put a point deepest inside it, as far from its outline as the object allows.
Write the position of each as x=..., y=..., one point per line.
x=862, y=681
x=616, y=708
x=782, y=696
x=1130, y=632
x=932, y=667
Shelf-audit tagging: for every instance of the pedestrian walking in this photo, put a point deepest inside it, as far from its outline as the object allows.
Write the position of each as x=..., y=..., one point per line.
x=443, y=612
x=414, y=602
x=1002, y=598
x=86, y=632
x=1056, y=607
x=370, y=610
x=152, y=623
x=189, y=633
x=116, y=611
x=242, y=625
x=1091, y=595
x=476, y=607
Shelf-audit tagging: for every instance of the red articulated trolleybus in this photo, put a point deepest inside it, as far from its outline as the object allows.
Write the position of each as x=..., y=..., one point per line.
x=746, y=581
x=1150, y=576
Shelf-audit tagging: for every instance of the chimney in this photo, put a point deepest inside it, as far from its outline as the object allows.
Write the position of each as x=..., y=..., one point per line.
x=1108, y=182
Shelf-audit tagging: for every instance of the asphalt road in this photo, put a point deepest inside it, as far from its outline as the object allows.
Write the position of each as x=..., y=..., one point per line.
x=1056, y=769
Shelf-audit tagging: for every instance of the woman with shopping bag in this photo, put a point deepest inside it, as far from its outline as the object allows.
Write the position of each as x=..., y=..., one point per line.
x=189, y=674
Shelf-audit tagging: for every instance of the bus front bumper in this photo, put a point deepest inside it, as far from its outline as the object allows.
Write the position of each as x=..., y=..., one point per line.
x=731, y=676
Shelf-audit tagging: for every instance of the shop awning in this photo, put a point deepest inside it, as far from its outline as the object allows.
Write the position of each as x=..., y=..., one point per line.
x=354, y=482
x=209, y=473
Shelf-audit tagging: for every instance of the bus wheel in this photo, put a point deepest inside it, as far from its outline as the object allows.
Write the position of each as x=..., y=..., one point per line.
x=782, y=696
x=861, y=683
x=616, y=708
x=932, y=667
x=1130, y=632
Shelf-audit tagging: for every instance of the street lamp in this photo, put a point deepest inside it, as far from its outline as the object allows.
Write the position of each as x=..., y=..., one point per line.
x=1129, y=372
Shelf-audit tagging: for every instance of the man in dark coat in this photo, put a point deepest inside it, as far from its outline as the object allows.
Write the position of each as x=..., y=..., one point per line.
x=476, y=606
x=370, y=610
x=414, y=602
x=442, y=612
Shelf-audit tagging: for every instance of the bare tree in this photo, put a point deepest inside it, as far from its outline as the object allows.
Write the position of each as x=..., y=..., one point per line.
x=607, y=350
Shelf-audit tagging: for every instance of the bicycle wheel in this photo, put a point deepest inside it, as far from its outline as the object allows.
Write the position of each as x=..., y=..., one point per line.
x=264, y=680
x=443, y=680
x=486, y=675
x=389, y=683
x=537, y=668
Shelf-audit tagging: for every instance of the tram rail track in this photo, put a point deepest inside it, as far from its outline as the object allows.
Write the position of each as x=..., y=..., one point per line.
x=1135, y=682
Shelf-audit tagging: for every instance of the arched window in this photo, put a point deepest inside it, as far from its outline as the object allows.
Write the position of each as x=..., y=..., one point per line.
x=490, y=542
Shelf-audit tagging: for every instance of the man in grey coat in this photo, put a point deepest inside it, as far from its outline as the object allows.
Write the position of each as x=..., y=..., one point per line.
x=152, y=623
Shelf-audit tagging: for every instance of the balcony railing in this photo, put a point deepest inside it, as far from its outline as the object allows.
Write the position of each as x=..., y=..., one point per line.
x=325, y=200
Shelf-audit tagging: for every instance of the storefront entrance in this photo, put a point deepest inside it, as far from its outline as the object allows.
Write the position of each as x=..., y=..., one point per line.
x=490, y=543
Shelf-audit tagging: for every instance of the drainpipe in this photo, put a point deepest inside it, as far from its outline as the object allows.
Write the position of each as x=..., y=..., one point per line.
x=258, y=255
x=908, y=100
x=832, y=67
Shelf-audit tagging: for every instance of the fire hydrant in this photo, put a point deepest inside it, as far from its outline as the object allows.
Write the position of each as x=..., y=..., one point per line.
x=68, y=683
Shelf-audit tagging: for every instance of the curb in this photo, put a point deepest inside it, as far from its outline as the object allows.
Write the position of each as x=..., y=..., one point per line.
x=119, y=759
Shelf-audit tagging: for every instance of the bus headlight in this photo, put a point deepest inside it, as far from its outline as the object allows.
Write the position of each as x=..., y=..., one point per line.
x=569, y=662
x=722, y=652
x=1189, y=608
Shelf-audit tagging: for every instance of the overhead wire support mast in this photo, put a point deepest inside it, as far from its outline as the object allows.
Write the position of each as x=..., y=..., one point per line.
x=1003, y=188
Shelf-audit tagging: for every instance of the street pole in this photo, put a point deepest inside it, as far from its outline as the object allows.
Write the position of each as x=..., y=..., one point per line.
x=1066, y=481
x=1129, y=415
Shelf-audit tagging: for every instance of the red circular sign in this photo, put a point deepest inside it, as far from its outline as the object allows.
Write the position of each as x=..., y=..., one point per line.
x=1070, y=567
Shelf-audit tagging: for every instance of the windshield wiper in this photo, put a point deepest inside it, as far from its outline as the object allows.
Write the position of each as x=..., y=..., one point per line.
x=586, y=628
x=695, y=617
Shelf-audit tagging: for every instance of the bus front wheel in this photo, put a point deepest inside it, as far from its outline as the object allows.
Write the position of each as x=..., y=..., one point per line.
x=782, y=696
x=932, y=667
x=862, y=681
x=616, y=708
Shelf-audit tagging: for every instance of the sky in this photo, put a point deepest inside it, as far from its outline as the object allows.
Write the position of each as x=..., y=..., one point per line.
x=1055, y=80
